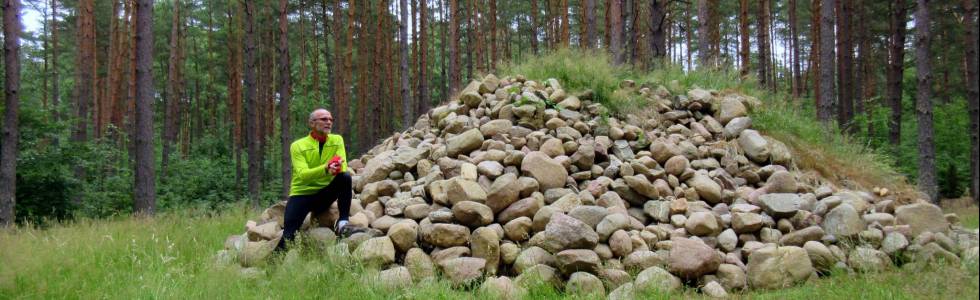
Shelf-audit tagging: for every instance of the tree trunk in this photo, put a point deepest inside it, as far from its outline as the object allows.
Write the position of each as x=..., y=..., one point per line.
x=616, y=31
x=454, y=46
x=10, y=135
x=235, y=87
x=533, y=29
x=815, y=44
x=343, y=87
x=845, y=55
x=144, y=174
x=403, y=42
x=923, y=102
x=708, y=36
x=55, y=81
x=825, y=104
x=284, y=98
x=492, y=15
x=423, y=103
x=970, y=41
x=174, y=90
x=763, y=42
x=588, y=24
x=744, y=43
x=84, y=78
x=252, y=106
x=658, y=26
x=795, y=48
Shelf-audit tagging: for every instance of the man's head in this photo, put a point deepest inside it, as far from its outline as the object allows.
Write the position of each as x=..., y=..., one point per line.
x=321, y=121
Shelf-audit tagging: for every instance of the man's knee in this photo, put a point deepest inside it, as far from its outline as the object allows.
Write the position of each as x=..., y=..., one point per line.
x=343, y=178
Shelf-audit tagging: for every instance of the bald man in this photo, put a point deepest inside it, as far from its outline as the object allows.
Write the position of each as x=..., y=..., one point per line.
x=320, y=177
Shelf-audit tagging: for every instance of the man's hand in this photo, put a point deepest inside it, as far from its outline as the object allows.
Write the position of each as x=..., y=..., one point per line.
x=334, y=167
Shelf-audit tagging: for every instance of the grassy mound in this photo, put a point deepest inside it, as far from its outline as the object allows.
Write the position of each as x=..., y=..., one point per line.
x=816, y=147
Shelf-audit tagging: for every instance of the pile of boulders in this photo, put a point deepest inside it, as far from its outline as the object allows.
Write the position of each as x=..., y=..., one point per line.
x=519, y=182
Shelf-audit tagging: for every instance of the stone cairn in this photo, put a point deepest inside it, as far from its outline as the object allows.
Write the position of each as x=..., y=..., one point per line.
x=518, y=182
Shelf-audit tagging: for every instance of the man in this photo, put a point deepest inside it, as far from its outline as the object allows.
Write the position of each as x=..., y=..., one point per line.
x=319, y=177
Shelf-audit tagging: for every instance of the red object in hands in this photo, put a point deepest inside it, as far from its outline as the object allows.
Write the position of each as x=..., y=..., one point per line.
x=336, y=160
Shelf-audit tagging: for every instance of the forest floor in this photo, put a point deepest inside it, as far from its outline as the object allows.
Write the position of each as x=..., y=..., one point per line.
x=171, y=256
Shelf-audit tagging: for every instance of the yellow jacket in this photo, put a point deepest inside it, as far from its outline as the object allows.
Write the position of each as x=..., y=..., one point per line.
x=310, y=163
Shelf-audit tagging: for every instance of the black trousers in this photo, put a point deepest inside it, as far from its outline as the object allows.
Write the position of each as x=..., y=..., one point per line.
x=300, y=205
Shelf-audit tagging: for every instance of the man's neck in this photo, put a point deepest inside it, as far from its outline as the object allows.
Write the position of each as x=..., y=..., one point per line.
x=319, y=136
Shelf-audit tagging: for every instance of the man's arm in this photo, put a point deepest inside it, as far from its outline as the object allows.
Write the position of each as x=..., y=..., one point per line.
x=342, y=152
x=302, y=172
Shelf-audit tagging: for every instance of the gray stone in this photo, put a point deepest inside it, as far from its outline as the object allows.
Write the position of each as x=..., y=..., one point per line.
x=702, y=223
x=472, y=214
x=921, y=217
x=778, y=267
x=863, y=259
x=656, y=279
x=447, y=235
x=564, y=232
x=485, y=244
x=419, y=264
x=754, y=145
x=577, y=260
x=532, y=256
x=548, y=172
x=582, y=283
x=462, y=270
x=843, y=221
x=782, y=205
x=691, y=258
x=800, y=237
x=376, y=251
x=464, y=143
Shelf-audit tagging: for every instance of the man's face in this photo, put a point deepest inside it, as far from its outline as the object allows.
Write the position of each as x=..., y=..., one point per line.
x=322, y=121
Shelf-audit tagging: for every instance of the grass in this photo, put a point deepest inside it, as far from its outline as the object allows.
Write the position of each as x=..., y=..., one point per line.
x=170, y=256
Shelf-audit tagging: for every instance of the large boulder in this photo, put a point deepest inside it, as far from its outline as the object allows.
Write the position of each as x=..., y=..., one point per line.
x=564, y=232
x=472, y=214
x=376, y=251
x=485, y=244
x=582, y=283
x=864, y=259
x=782, y=205
x=577, y=260
x=843, y=221
x=702, y=223
x=459, y=190
x=778, y=267
x=419, y=264
x=729, y=109
x=462, y=270
x=656, y=279
x=708, y=189
x=691, y=258
x=921, y=217
x=447, y=235
x=464, y=143
x=503, y=192
x=754, y=145
x=548, y=172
